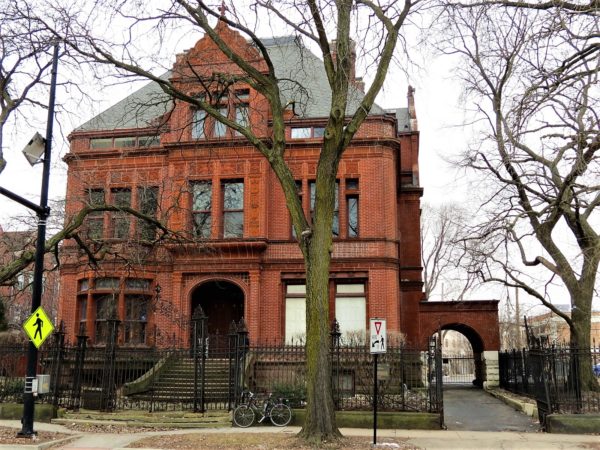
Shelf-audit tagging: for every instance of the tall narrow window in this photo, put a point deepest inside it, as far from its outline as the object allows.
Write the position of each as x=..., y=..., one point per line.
x=201, y=208
x=198, y=124
x=295, y=313
x=233, y=209
x=136, y=318
x=299, y=192
x=352, y=207
x=120, y=220
x=241, y=116
x=221, y=128
x=105, y=309
x=148, y=205
x=335, y=227
x=82, y=313
x=351, y=310
x=95, y=219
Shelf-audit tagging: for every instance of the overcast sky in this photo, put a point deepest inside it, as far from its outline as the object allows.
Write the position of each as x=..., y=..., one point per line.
x=440, y=115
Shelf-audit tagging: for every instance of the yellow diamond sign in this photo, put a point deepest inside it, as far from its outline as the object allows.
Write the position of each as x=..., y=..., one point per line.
x=38, y=327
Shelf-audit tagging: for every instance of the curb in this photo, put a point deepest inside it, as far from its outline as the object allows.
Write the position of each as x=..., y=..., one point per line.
x=527, y=408
x=41, y=446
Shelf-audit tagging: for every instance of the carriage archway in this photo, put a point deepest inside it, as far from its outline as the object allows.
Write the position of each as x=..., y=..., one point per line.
x=222, y=302
x=462, y=355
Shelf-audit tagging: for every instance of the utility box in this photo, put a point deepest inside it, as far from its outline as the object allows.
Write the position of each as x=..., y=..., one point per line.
x=43, y=384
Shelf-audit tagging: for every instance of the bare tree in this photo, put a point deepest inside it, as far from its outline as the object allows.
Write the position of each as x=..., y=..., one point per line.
x=25, y=59
x=374, y=24
x=442, y=233
x=533, y=78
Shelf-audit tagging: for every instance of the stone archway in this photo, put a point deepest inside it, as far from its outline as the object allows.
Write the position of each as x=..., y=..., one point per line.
x=476, y=357
x=222, y=302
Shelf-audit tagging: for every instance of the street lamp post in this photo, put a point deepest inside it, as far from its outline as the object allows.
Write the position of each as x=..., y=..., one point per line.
x=43, y=211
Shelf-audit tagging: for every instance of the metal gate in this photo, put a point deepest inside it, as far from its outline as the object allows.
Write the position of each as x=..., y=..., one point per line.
x=458, y=369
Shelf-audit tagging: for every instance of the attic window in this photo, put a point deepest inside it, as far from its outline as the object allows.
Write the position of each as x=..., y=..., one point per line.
x=124, y=142
x=101, y=143
x=148, y=141
x=307, y=132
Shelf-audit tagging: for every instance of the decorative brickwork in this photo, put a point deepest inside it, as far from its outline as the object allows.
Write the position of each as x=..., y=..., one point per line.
x=220, y=194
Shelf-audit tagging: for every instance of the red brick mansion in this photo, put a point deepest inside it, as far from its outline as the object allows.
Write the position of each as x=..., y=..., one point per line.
x=236, y=254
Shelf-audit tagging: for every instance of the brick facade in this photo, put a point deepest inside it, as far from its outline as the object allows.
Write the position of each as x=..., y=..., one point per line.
x=377, y=266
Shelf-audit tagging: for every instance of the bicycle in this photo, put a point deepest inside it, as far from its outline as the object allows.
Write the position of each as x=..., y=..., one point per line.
x=279, y=413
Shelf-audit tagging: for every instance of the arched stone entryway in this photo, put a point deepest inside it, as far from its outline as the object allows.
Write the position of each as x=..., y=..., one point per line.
x=472, y=359
x=477, y=320
x=222, y=302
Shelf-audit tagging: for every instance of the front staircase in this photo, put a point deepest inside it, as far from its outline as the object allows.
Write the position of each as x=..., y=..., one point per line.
x=173, y=382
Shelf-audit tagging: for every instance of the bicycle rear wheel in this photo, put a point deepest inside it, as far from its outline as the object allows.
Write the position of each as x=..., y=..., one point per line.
x=281, y=415
x=243, y=416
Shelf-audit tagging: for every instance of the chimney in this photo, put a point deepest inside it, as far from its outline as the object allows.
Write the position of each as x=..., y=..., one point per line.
x=412, y=112
x=334, y=53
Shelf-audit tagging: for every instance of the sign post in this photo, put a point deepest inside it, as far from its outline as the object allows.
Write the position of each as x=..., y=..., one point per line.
x=378, y=343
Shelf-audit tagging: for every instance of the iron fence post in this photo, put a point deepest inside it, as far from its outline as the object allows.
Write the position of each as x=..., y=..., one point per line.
x=198, y=347
x=78, y=370
x=231, y=352
x=242, y=347
x=57, y=360
x=335, y=361
x=108, y=393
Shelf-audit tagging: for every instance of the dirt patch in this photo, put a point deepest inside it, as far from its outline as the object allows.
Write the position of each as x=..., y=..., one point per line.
x=9, y=436
x=262, y=441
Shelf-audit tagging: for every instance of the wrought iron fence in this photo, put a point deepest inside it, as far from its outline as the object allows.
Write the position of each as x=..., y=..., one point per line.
x=561, y=378
x=212, y=375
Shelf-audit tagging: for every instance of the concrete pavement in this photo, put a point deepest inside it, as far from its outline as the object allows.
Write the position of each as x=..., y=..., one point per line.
x=426, y=439
x=467, y=408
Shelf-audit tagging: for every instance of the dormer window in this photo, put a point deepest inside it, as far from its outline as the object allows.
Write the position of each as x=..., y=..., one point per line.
x=307, y=132
x=235, y=107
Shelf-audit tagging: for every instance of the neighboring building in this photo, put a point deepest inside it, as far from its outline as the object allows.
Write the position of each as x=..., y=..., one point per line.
x=16, y=293
x=237, y=256
x=556, y=329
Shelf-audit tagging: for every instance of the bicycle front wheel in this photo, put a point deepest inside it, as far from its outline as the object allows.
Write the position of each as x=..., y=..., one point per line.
x=281, y=415
x=243, y=416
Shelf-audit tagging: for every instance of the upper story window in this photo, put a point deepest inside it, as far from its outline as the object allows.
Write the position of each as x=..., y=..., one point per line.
x=121, y=197
x=233, y=209
x=220, y=127
x=125, y=142
x=199, y=124
x=352, y=207
x=234, y=106
x=95, y=219
x=101, y=143
x=307, y=132
x=147, y=205
x=335, y=227
x=201, y=208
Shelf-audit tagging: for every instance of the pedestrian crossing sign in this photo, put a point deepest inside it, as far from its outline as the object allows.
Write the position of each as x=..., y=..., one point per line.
x=38, y=327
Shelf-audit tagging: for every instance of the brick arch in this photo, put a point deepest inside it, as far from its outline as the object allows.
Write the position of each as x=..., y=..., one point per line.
x=196, y=282
x=472, y=336
x=477, y=320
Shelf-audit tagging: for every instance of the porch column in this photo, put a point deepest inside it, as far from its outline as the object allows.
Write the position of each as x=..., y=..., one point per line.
x=252, y=307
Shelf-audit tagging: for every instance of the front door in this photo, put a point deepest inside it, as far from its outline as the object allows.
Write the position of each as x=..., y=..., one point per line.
x=222, y=303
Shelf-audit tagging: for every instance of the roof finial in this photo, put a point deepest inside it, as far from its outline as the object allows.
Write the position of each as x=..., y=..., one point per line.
x=222, y=8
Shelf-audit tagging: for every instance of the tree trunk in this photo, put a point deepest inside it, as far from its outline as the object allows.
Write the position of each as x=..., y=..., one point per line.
x=581, y=345
x=320, y=425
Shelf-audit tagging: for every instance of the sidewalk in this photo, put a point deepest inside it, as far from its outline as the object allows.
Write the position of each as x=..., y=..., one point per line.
x=426, y=439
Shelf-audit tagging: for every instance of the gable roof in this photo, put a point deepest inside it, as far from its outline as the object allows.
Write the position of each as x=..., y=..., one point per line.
x=302, y=80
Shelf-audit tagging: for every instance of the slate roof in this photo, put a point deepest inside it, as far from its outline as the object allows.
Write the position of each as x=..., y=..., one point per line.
x=303, y=79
